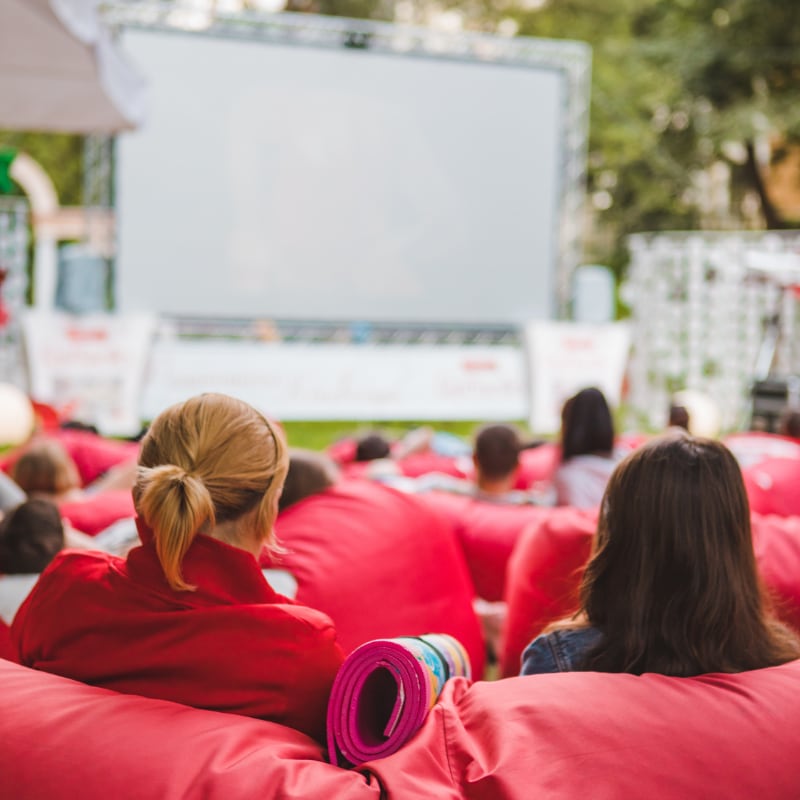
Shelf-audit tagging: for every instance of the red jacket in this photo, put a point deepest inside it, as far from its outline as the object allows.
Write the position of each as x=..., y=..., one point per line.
x=231, y=645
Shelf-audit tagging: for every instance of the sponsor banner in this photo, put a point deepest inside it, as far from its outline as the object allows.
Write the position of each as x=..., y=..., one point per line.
x=294, y=381
x=565, y=357
x=91, y=367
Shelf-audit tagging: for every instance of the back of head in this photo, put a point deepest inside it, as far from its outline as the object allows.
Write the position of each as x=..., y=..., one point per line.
x=587, y=426
x=208, y=460
x=790, y=423
x=30, y=536
x=309, y=473
x=45, y=467
x=496, y=451
x=372, y=446
x=678, y=417
x=673, y=582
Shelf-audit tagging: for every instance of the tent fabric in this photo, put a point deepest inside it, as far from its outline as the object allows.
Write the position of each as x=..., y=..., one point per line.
x=577, y=735
x=360, y=546
x=60, y=70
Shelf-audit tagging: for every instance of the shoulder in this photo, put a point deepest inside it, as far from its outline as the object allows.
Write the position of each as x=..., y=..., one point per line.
x=559, y=651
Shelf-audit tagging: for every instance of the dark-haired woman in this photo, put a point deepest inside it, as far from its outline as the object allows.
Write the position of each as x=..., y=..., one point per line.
x=672, y=585
x=587, y=450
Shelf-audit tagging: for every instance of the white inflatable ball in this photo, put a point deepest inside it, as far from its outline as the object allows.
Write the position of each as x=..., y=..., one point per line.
x=17, y=419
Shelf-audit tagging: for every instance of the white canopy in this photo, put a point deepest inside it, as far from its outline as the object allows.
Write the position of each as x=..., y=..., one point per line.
x=60, y=70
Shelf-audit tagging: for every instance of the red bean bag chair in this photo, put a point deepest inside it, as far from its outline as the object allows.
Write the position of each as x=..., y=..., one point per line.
x=773, y=486
x=7, y=649
x=543, y=576
x=95, y=512
x=380, y=564
x=63, y=740
x=537, y=465
x=582, y=735
x=754, y=447
x=776, y=541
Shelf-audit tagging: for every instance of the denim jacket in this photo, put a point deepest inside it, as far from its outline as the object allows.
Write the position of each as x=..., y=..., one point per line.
x=559, y=651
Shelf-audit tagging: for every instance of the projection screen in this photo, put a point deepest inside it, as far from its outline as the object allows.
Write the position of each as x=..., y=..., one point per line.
x=301, y=182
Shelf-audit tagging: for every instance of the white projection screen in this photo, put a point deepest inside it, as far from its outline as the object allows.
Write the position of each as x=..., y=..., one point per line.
x=318, y=183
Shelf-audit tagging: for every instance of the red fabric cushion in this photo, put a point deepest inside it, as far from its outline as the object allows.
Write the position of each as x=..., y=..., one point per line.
x=776, y=541
x=581, y=735
x=95, y=512
x=537, y=465
x=753, y=447
x=543, y=577
x=63, y=740
x=424, y=463
x=380, y=564
x=773, y=486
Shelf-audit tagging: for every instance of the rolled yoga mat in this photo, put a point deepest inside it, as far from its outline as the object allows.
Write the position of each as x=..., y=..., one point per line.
x=383, y=692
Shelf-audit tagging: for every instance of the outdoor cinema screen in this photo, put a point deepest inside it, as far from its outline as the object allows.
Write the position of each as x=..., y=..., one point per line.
x=302, y=182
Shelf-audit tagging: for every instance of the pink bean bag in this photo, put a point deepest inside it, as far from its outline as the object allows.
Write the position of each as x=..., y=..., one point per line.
x=776, y=541
x=93, y=513
x=543, y=576
x=579, y=735
x=773, y=486
x=64, y=740
x=381, y=564
x=753, y=447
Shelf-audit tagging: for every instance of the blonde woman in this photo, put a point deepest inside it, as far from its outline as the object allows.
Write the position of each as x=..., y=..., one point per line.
x=188, y=616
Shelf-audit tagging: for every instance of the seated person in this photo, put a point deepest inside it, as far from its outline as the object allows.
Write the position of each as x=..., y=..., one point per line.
x=672, y=586
x=678, y=417
x=790, y=423
x=495, y=459
x=45, y=469
x=30, y=537
x=587, y=450
x=309, y=473
x=188, y=616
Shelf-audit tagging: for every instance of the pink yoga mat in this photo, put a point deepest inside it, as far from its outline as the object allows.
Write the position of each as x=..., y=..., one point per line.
x=383, y=693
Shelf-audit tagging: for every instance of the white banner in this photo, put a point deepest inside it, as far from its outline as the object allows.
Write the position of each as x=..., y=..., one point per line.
x=565, y=357
x=343, y=381
x=90, y=365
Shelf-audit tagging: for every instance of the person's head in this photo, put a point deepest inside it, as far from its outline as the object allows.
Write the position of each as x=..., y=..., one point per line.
x=672, y=583
x=496, y=457
x=372, y=446
x=678, y=417
x=209, y=461
x=30, y=536
x=45, y=467
x=309, y=473
x=586, y=425
x=790, y=423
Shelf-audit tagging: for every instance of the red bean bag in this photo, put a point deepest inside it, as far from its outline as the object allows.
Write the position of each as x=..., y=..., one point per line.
x=380, y=564
x=582, y=735
x=776, y=541
x=7, y=649
x=773, y=486
x=754, y=447
x=543, y=576
x=63, y=740
x=537, y=465
x=95, y=512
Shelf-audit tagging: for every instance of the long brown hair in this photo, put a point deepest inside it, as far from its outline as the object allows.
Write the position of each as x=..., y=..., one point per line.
x=672, y=584
x=208, y=460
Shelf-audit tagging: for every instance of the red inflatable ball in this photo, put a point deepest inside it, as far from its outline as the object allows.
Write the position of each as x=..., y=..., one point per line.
x=381, y=564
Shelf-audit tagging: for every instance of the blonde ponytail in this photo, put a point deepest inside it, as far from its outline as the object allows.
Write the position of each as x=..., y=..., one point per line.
x=176, y=505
